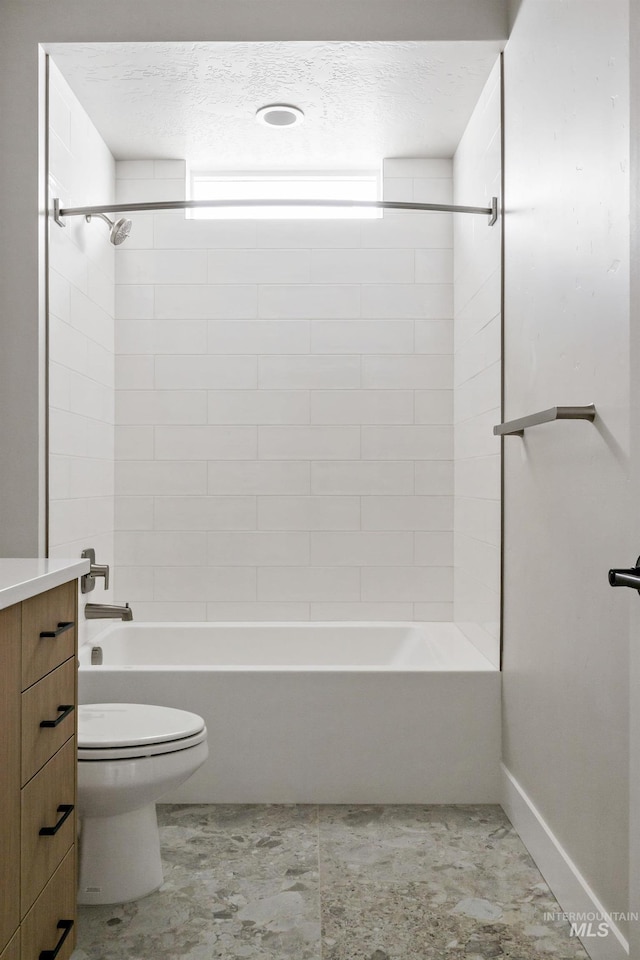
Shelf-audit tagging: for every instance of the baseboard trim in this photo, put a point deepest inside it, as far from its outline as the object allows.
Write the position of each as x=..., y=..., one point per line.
x=569, y=887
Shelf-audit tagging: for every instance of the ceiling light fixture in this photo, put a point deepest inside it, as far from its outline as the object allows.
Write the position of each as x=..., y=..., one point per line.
x=279, y=115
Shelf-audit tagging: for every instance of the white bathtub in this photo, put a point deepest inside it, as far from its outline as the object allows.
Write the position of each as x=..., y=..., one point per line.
x=316, y=712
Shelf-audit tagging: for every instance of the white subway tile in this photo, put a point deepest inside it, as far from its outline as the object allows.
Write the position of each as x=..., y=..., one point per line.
x=133, y=373
x=361, y=336
x=91, y=477
x=149, y=191
x=478, y=478
x=258, y=406
x=434, y=406
x=407, y=583
x=161, y=336
x=174, y=231
x=407, y=443
x=100, y=363
x=397, y=189
x=308, y=372
x=361, y=406
x=67, y=433
x=68, y=260
x=158, y=612
x=474, y=438
x=259, y=266
x=161, y=266
x=134, y=302
x=257, y=611
x=68, y=520
x=433, y=612
x=67, y=346
x=434, y=266
x=206, y=301
x=361, y=549
x=259, y=476
x=418, y=167
x=59, y=296
x=434, y=336
x=308, y=513
x=133, y=583
x=134, y=169
x=146, y=479
x=161, y=406
x=420, y=301
x=169, y=169
x=258, y=336
x=301, y=234
x=208, y=372
x=158, y=548
x=432, y=190
x=133, y=443
x=308, y=583
x=204, y=583
x=479, y=519
x=308, y=443
x=205, y=443
x=434, y=549
x=362, y=266
x=408, y=373
x=134, y=513
x=434, y=477
x=362, y=477
x=479, y=394
x=364, y=612
x=407, y=513
x=100, y=440
x=434, y=231
x=308, y=301
x=205, y=513
x=258, y=548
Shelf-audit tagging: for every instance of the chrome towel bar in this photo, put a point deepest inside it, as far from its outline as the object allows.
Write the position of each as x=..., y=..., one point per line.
x=517, y=427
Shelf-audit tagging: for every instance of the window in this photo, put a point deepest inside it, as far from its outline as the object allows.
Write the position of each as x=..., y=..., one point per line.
x=284, y=186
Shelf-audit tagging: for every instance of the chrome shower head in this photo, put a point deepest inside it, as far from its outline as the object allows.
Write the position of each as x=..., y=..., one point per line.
x=118, y=230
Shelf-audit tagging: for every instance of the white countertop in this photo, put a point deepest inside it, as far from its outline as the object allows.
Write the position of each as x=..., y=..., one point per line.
x=23, y=577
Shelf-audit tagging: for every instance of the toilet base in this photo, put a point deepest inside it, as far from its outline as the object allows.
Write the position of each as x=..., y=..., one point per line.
x=119, y=857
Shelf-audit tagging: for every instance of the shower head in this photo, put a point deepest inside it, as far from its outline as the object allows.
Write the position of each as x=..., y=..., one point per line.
x=118, y=230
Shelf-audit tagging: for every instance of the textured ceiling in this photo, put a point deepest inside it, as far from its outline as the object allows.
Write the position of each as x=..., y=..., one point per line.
x=362, y=101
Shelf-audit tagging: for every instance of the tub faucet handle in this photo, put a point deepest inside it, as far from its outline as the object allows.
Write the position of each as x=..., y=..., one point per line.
x=88, y=581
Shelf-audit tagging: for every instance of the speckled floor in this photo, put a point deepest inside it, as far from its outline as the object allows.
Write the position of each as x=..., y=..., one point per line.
x=335, y=883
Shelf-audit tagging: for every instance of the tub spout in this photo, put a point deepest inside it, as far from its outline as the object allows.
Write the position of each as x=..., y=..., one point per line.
x=100, y=611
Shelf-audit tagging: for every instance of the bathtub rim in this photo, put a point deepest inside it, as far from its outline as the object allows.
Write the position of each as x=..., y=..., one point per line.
x=481, y=664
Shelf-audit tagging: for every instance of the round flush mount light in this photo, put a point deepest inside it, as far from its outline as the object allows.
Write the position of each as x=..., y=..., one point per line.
x=280, y=115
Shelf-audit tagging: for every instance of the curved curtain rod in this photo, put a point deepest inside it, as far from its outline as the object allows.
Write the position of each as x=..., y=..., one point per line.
x=60, y=212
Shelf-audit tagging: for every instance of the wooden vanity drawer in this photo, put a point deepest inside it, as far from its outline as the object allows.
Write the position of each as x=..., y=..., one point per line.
x=55, y=905
x=41, y=703
x=47, y=614
x=47, y=804
x=12, y=949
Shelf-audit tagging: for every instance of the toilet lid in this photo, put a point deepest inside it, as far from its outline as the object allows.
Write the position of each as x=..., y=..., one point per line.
x=117, y=726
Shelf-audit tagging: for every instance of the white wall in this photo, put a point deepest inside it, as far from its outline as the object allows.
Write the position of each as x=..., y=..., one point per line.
x=284, y=410
x=477, y=377
x=81, y=340
x=568, y=515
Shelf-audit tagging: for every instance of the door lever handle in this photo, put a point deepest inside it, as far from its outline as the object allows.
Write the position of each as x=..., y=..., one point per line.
x=626, y=578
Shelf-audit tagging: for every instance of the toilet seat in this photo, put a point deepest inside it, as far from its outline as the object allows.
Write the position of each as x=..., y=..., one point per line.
x=120, y=731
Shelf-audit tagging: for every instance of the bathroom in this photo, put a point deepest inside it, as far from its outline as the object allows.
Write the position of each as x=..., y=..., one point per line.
x=383, y=396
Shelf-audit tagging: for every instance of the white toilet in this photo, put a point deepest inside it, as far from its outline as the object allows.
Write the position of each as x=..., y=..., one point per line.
x=129, y=755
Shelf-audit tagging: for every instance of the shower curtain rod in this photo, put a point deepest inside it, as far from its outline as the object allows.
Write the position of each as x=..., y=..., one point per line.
x=60, y=212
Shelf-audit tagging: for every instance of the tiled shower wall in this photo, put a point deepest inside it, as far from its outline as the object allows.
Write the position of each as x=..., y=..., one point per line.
x=477, y=378
x=81, y=331
x=284, y=410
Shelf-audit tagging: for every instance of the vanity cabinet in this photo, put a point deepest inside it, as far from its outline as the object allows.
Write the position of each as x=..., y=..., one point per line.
x=38, y=701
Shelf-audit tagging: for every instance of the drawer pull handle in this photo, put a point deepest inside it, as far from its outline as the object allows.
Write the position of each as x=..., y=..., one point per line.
x=66, y=708
x=62, y=628
x=65, y=926
x=65, y=809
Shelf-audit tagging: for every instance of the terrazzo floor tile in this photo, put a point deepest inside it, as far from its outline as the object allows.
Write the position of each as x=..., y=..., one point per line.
x=335, y=883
